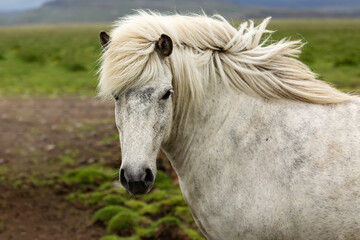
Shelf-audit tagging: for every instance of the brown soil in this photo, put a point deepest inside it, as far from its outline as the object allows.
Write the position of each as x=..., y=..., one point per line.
x=33, y=134
x=40, y=215
x=33, y=129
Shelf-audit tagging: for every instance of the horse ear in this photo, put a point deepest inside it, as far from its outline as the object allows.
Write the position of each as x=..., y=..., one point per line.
x=104, y=39
x=164, y=45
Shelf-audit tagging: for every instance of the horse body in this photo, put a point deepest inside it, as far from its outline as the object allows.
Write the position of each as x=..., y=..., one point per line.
x=271, y=169
x=262, y=149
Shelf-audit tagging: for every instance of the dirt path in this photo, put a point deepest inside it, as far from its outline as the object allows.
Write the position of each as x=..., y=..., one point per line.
x=36, y=135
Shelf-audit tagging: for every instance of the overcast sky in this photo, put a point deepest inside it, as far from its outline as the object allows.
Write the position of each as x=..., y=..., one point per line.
x=18, y=5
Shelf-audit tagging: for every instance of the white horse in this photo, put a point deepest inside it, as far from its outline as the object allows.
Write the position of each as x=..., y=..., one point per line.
x=262, y=149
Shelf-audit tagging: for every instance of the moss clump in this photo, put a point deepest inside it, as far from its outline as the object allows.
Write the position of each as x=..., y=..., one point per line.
x=121, y=191
x=113, y=199
x=105, y=214
x=163, y=207
x=86, y=199
x=175, y=201
x=87, y=176
x=134, y=204
x=153, y=209
x=167, y=222
x=145, y=233
x=155, y=196
x=123, y=223
x=145, y=222
x=167, y=207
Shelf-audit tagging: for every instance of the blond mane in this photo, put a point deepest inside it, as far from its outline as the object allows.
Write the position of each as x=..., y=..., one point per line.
x=207, y=49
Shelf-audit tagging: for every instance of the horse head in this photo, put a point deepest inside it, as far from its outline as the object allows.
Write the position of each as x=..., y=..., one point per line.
x=143, y=116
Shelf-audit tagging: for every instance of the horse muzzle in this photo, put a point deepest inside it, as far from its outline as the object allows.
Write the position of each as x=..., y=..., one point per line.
x=139, y=183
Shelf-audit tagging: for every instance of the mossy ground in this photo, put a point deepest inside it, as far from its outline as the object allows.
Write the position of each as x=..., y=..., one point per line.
x=140, y=217
x=161, y=214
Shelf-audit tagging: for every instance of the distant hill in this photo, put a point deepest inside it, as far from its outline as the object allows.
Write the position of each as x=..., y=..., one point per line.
x=109, y=10
x=61, y=11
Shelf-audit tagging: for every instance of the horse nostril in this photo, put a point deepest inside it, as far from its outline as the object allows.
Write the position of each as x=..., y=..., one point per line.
x=123, y=179
x=149, y=177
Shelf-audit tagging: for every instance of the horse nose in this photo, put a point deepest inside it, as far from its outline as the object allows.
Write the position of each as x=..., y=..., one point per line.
x=137, y=183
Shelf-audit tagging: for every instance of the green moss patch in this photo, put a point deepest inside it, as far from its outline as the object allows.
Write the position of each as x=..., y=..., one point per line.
x=93, y=176
x=123, y=223
x=161, y=214
x=105, y=214
x=114, y=199
x=135, y=204
x=167, y=221
x=155, y=196
x=86, y=199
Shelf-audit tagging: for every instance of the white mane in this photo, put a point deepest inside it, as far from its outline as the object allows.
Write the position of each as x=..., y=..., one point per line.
x=207, y=49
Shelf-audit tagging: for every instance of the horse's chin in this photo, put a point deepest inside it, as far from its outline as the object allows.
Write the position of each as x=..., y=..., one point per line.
x=136, y=193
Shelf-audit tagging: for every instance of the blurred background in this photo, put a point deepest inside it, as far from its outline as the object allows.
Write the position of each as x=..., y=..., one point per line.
x=59, y=151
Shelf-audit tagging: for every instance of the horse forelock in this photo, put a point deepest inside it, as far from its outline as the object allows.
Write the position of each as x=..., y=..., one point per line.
x=206, y=49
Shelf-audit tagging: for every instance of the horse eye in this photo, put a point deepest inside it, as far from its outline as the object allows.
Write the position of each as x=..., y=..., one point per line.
x=167, y=94
x=116, y=97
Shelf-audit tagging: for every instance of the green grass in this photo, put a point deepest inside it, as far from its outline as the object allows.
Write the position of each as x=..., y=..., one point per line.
x=331, y=49
x=52, y=60
x=61, y=60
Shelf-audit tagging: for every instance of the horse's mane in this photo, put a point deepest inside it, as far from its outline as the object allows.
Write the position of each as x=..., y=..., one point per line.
x=207, y=49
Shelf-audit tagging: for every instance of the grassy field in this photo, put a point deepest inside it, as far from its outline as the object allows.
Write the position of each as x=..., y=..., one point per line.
x=62, y=59
x=53, y=60
x=331, y=49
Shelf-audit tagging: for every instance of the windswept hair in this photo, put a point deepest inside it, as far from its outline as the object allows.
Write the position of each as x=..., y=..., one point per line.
x=209, y=50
